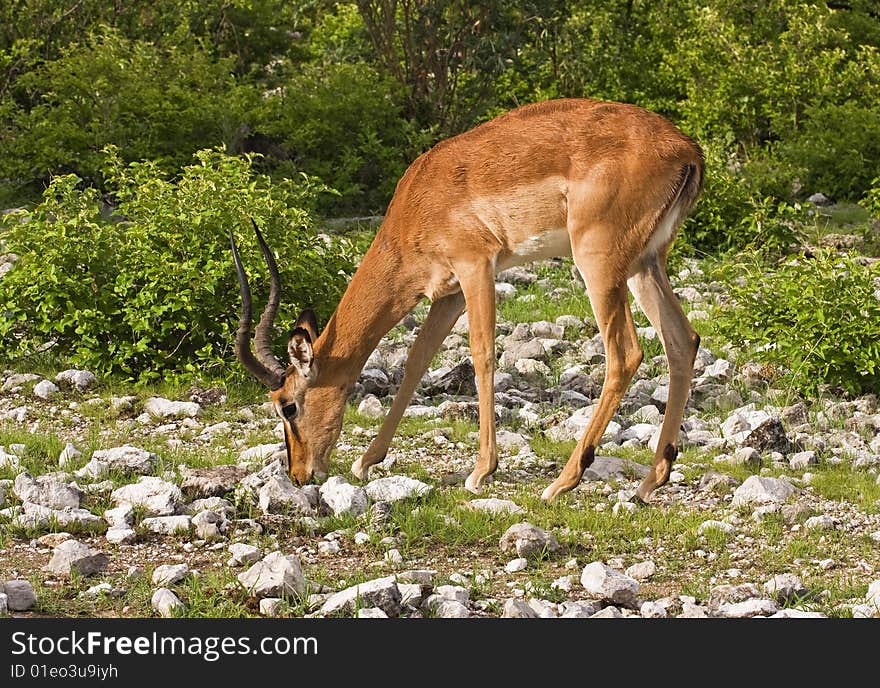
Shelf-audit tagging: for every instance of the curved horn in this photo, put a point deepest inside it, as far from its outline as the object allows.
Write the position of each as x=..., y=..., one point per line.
x=262, y=337
x=271, y=378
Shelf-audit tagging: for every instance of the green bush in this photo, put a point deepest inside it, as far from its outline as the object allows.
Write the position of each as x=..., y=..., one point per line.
x=152, y=102
x=338, y=122
x=154, y=292
x=817, y=320
x=838, y=152
x=734, y=213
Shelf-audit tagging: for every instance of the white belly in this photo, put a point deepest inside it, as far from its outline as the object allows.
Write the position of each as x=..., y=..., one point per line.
x=549, y=243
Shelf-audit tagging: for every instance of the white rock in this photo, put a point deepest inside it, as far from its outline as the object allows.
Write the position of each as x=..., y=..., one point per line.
x=379, y=592
x=573, y=427
x=760, y=490
x=208, y=524
x=169, y=574
x=721, y=526
x=166, y=602
x=4, y=604
x=47, y=491
x=20, y=595
x=38, y=516
x=822, y=522
x=515, y=565
x=607, y=584
x=45, y=389
x=371, y=407
x=74, y=556
x=564, y=583
x=747, y=608
x=443, y=608
x=652, y=610
x=167, y=525
x=80, y=379
x=504, y=291
x=342, y=498
x=393, y=556
x=165, y=409
x=803, y=459
x=796, y=614
x=260, y=453
x=872, y=598
x=329, y=547
x=456, y=593
x=126, y=459
x=527, y=540
x=395, y=488
x=607, y=613
x=784, y=586
x=279, y=496
x=156, y=496
x=271, y=606
x=243, y=554
x=641, y=571
x=121, y=516
x=580, y=609
x=719, y=369
x=495, y=506
x=275, y=575
x=622, y=508
x=361, y=538
x=120, y=535
x=518, y=609
x=68, y=454
x=371, y=613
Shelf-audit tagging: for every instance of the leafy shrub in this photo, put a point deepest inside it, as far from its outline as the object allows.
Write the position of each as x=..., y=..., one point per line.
x=150, y=101
x=154, y=292
x=817, y=320
x=838, y=152
x=337, y=122
x=733, y=215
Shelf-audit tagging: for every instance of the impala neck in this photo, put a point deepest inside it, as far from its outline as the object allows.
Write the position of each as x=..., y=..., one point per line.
x=377, y=298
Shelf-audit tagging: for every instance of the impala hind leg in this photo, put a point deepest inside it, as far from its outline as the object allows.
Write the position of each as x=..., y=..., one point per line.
x=654, y=294
x=439, y=321
x=478, y=285
x=623, y=354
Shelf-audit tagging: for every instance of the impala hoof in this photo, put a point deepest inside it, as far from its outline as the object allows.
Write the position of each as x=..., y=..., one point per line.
x=474, y=483
x=550, y=493
x=635, y=499
x=358, y=471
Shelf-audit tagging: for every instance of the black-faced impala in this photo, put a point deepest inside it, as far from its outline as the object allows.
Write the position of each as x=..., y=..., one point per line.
x=606, y=183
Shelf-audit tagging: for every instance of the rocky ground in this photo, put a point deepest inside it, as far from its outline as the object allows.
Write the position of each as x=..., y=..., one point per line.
x=122, y=502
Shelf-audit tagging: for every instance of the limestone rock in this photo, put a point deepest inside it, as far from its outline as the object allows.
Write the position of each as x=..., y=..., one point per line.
x=609, y=585
x=275, y=575
x=156, y=496
x=46, y=491
x=166, y=603
x=395, y=488
x=527, y=540
x=379, y=592
x=343, y=498
x=760, y=490
x=75, y=556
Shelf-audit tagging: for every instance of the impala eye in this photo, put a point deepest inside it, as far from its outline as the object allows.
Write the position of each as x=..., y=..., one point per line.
x=289, y=411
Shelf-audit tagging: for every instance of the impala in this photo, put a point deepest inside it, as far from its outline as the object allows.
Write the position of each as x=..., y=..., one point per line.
x=606, y=183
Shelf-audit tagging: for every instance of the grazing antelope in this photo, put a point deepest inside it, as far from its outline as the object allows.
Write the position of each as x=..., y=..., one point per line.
x=604, y=182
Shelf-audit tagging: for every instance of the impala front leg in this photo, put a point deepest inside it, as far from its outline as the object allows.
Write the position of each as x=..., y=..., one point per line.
x=442, y=316
x=478, y=285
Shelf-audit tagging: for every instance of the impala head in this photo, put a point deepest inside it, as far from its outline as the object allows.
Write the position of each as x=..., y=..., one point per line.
x=308, y=435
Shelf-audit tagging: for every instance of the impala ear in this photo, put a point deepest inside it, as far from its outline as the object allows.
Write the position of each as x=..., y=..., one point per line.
x=308, y=322
x=299, y=346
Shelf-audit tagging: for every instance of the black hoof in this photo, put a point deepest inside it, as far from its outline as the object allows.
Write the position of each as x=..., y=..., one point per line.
x=635, y=499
